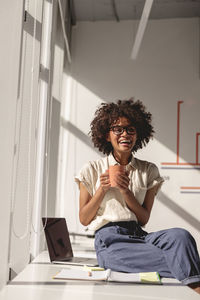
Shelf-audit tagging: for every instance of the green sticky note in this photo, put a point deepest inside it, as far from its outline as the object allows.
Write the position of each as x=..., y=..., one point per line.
x=88, y=268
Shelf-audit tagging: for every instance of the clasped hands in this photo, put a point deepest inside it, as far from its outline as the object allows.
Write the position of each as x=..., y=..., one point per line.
x=121, y=180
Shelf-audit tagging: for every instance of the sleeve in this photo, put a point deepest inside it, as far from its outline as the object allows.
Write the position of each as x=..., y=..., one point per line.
x=86, y=176
x=154, y=178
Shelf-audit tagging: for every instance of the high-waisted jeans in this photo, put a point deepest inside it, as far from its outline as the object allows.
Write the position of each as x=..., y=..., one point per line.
x=125, y=247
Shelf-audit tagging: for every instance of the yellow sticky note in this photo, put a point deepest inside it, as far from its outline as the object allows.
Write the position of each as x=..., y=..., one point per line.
x=150, y=277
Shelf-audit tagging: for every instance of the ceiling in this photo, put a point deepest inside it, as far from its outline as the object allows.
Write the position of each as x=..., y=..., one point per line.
x=118, y=10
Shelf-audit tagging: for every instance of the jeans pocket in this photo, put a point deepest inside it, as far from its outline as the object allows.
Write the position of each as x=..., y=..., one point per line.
x=107, y=236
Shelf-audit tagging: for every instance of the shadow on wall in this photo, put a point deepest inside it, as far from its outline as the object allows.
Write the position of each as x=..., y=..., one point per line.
x=29, y=26
x=50, y=178
x=78, y=134
x=178, y=210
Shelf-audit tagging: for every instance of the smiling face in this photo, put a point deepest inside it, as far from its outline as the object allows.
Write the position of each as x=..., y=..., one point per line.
x=122, y=143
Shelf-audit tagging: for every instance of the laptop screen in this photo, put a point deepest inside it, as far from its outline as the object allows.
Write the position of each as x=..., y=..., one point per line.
x=57, y=237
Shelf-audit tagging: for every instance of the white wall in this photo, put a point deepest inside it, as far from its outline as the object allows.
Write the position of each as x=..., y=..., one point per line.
x=32, y=55
x=19, y=130
x=26, y=123
x=10, y=32
x=166, y=71
x=57, y=71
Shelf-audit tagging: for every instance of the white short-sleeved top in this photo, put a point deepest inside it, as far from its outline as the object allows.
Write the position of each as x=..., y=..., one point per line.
x=143, y=176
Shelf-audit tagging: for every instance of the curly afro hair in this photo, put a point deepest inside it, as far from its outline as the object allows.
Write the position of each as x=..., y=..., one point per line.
x=108, y=113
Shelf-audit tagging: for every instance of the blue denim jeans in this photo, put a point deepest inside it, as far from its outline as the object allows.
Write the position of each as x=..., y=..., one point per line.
x=125, y=247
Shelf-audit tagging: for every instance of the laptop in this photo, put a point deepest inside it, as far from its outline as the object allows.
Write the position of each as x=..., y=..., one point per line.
x=59, y=245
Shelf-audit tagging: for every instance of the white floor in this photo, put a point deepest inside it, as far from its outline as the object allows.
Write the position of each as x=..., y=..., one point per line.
x=36, y=283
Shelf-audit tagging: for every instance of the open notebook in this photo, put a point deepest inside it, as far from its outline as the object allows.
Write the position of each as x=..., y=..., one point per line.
x=108, y=275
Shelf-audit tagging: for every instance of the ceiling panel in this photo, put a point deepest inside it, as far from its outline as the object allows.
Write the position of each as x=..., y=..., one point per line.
x=97, y=10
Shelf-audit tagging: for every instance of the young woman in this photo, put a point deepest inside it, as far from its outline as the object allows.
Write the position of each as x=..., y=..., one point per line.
x=117, y=214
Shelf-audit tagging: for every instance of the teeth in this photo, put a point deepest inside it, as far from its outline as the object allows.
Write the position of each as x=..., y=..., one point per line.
x=125, y=141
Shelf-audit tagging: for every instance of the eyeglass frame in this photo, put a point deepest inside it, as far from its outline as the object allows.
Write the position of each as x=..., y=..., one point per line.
x=123, y=128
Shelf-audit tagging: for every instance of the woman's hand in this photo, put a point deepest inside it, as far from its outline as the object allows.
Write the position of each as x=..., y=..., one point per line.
x=89, y=205
x=105, y=181
x=122, y=182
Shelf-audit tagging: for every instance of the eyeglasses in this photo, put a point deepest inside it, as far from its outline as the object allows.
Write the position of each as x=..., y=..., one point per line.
x=120, y=129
